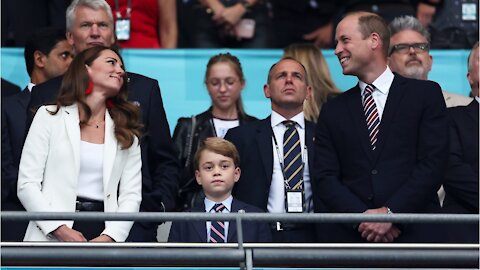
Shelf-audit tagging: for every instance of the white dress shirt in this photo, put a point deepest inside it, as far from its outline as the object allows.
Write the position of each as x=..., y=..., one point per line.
x=276, y=198
x=228, y=208
x=382, y=86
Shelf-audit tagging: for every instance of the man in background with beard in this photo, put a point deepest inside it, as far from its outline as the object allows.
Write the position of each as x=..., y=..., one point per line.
x=409, y=54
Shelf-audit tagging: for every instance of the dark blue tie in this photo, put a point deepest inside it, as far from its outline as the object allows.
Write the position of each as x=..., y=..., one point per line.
x=217, y=228
x=292, y=157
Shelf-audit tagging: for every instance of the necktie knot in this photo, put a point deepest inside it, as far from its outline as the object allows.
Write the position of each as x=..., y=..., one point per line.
x=289, y=123
x=369, y=89
x=218, y=207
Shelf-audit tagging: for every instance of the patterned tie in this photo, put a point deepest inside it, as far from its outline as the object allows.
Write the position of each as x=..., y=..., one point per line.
x=217, y=228
x=292, y=157
x=371, y=114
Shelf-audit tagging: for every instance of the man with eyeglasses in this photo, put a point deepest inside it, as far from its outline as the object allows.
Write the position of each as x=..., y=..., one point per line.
x=409, y=54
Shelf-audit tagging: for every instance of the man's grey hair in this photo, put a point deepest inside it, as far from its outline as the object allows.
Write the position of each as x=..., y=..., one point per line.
x=93, y=4
x=408, y=23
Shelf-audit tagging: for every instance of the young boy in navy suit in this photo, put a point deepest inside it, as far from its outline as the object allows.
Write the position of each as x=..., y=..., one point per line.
x=217, y=170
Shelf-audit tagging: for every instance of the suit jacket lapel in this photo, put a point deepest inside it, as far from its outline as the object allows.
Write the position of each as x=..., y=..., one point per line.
x=472, y=110
x=24, y=98
x=232, y=225
x=110, y=149
x=309, y=132
x=200, y=226
x=395, y=95
x=264, y=141
x=358, y=115
x=72, y=125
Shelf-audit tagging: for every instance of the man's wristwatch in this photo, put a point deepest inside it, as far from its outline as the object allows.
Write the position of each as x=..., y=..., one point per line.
x=389, y=211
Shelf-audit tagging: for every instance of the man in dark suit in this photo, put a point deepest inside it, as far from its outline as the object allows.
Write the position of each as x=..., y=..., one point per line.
x=381, y=146
x=260, y=143
x=90, y=23
x=47, y=55
x=461, y=178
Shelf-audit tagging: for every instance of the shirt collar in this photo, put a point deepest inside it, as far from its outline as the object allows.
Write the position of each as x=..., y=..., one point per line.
x=477, y=99
x=276, y=119
x=30, y=86
x=382, y=83
x=227, y=203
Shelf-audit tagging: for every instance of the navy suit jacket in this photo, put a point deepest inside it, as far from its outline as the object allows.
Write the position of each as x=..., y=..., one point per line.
x=159, y=163
x=196, y=231
x=254, y=144
x=461, y=178
x=14, y=116
x=405, y=170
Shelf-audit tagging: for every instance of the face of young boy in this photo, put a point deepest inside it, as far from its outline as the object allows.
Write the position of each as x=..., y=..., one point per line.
x=217, y=175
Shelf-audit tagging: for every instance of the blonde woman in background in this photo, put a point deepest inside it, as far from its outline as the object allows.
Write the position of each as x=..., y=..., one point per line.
x=318, y=77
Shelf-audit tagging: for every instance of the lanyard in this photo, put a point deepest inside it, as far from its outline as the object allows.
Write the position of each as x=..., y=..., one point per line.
x=117, y=9
x=280, y=159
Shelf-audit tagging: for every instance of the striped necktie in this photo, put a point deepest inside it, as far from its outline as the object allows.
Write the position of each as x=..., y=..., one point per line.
x=371, y=114
x=217, y=228
x=292, y=157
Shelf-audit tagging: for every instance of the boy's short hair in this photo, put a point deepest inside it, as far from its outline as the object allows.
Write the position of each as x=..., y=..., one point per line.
x=218, y=146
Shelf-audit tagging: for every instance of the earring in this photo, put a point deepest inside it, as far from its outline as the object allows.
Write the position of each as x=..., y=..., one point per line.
x=89, y=89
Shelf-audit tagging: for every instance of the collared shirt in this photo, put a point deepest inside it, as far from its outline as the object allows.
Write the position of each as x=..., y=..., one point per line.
x=228, y=208
x=276, y=198
x=30, y=86
x=382, y=87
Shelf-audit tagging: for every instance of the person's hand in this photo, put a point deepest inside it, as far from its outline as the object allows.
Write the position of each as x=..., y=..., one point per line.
x=102, y=238
x=378, y=231
x=321, y=37
x=65, y=234
x=230, y=15
x=425, y=14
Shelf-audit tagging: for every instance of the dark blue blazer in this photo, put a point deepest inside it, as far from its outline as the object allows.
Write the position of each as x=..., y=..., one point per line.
x=196, y=231
x=405, y=170
x=159, y=163
x=461, y=178
x=14, y=115
x=254, y=144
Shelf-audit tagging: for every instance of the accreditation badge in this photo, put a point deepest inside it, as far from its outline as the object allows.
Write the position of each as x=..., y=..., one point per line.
x=294, y=201
x=122, y=28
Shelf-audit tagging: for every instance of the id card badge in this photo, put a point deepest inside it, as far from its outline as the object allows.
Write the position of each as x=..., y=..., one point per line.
x=294, y=201
x=122, y=28
x=469, y=11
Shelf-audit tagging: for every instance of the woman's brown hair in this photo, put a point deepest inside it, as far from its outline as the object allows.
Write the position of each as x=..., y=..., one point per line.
x=125, y=115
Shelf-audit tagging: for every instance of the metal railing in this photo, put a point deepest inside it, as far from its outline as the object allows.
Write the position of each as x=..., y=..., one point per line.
x=242, y=254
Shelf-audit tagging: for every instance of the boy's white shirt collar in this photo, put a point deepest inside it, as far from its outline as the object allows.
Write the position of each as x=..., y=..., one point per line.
x=227, y=203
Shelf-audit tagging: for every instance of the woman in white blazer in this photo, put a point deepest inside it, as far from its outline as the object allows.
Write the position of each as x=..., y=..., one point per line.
x=83, y=154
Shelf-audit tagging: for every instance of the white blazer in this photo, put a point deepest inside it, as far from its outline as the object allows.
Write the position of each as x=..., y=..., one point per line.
x=50, y=165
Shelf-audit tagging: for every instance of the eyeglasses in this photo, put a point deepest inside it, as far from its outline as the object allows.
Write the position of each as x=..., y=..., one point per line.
x=217, y=83
x=405, y=48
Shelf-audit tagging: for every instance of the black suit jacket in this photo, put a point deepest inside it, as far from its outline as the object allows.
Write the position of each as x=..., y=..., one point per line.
x=159, y=164
x=14, y=116
x=196, y=231
x=9, y=89
x=461, y=178
x=405, y=170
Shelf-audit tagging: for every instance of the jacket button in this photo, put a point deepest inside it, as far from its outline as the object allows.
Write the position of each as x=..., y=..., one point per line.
x=374, y=171
x=370, y=197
